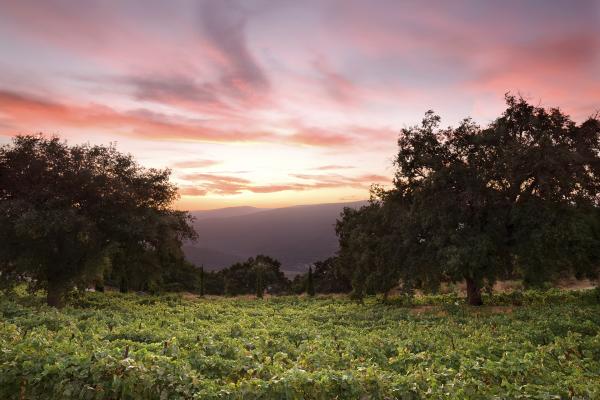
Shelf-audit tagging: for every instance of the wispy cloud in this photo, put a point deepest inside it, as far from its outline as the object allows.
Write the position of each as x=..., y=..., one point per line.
x=312, y=136
x=223, y=24
x=264, y=83
x=192, y=191
x=339, y=87
x=42, y=115
x=37, y=114
x=333, y=167
x=228, y=185
x=195, y=164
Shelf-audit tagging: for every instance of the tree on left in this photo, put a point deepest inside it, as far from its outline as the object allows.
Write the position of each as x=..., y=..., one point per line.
x=68, y=214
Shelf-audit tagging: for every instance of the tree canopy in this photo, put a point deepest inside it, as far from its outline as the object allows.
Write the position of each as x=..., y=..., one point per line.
x=518, y=197
x=253, y=275
x=70, y=214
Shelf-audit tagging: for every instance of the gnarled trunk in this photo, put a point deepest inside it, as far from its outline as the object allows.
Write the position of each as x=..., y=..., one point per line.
x=99, y=286
x=124, y=285
x=55, y=294
x=473, y=293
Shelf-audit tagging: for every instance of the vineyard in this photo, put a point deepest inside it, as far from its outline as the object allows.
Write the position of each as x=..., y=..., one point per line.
x=539, y=345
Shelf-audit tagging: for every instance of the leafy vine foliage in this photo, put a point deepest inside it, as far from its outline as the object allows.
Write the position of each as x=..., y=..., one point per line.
x=125, y=346
x=519, y=198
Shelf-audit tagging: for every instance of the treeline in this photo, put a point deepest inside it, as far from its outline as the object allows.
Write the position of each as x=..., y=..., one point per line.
x=72, y=216
x=257, y=276
x=518, y=199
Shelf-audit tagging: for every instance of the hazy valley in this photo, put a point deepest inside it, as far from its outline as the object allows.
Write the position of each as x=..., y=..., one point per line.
x=296, y=236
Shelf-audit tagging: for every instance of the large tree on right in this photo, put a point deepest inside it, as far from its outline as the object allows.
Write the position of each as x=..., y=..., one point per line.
x=519, y=197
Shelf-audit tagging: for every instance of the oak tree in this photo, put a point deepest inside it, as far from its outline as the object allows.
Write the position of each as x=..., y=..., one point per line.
x=68, y=214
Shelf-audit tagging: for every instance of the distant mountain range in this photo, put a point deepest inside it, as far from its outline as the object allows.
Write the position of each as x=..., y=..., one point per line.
x=296, y=236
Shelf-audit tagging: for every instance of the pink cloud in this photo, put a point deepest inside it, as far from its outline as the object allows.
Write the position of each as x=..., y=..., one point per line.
x=333, y=167
x=228, y=185
x=214, y=178
x=320, y=137
x=40, y=115
x=195, y=164
x=35, y=114
x=340, y=88
x=327, y=78
x=224, y=26
x=340, y=179
x=205, y=66
x=192, y=191
x=100, y=32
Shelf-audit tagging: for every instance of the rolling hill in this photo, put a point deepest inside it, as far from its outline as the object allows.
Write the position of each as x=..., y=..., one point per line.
x=297, y=236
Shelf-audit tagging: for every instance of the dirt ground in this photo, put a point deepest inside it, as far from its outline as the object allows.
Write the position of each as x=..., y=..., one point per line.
x=509, y=286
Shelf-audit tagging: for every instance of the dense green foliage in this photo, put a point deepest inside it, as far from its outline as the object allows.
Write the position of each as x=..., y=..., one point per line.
x=516, y=198
x=328, y=276
x=72, y=215
x=116, y=346
x=252, y=276
x=261, y=274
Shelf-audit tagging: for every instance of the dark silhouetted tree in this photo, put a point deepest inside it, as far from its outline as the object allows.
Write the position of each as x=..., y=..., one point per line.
x=369, y=255
x=70, y=213
x=260, y=286
x=310, y=283
x=519, y=197
x=202, y=281
x=329, y=277
x=241, y=278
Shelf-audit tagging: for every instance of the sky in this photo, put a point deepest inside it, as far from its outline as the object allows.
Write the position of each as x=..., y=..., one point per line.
x=283, y=102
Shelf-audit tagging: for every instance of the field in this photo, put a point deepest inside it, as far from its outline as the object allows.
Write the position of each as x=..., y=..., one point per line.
x=540, y=345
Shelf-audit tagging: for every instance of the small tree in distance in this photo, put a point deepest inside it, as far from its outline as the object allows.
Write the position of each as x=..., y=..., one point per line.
x=202, y=281
x=259, y=272
x=310, y=284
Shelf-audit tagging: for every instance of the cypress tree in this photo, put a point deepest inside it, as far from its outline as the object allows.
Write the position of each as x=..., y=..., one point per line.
x=310, y=284
x=259, y=283
x=202, y=281
x=99, y=286
x=124, y=285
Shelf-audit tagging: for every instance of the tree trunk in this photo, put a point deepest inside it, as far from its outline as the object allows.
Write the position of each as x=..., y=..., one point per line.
x=202, y=281
x=55, y=294
x=124, y=285
x=473, y=293
x=99, y=286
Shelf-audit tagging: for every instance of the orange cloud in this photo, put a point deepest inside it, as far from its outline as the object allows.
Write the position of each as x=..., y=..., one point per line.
x=344, y=180
x=195, y=164
x=219, y=184
x=228, y=185
x=192, y=191
x=320, y=137
x=333, y=166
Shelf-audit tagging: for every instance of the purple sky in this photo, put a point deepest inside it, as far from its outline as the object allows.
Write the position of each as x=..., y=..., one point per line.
x=274, y=103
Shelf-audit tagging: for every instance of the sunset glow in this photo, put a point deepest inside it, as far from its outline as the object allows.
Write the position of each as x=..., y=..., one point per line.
x=276, y=103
